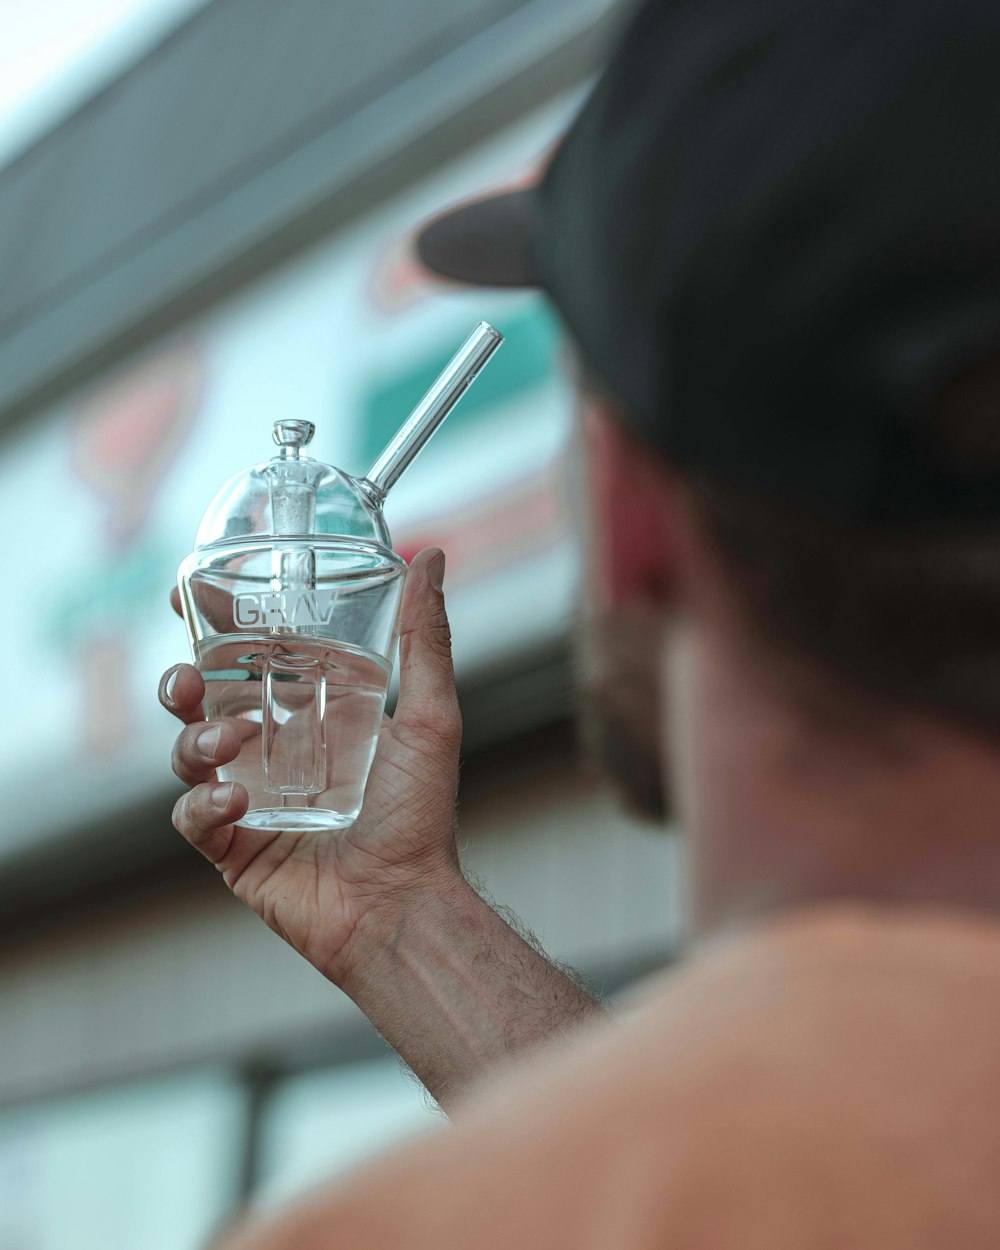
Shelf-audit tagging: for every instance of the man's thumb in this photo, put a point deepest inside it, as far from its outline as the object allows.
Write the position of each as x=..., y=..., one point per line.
x=427, y=695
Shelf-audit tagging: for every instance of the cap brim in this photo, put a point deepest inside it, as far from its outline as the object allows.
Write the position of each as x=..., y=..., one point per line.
x=487, y=242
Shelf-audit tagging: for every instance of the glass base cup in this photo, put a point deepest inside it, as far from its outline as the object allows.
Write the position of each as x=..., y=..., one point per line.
x=301, y=674
x=297, y=819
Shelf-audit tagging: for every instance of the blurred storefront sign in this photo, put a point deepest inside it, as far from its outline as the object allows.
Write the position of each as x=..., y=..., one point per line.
x=165, y=1055
x=126, y=433
x=111, y=484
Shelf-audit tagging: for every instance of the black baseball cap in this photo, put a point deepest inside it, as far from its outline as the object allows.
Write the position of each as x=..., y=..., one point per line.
x=773, y=231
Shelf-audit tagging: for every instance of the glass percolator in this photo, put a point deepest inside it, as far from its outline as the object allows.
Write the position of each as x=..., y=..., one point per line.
x=290, y=599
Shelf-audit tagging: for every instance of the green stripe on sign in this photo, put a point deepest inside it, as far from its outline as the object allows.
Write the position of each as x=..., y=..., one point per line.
x=524, y=362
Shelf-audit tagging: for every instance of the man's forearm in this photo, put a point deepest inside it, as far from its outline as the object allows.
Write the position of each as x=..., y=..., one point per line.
x=456, y=991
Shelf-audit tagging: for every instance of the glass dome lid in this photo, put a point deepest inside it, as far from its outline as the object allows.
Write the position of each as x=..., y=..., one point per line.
x=296, y=496
x=292, y=494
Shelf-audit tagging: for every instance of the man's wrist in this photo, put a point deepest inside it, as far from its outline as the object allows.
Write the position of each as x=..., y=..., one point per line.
x=452, y=986
x=397, y=919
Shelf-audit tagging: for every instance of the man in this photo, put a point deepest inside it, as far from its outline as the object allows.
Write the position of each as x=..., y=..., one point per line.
x=774, y=235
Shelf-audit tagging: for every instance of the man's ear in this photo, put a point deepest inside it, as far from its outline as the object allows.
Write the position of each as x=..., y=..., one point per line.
x=634, y=516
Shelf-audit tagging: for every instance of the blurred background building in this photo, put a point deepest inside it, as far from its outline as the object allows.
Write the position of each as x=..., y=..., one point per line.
x=204, y=211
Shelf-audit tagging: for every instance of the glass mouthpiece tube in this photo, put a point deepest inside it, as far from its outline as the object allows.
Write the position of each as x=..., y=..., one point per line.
x=458, y=375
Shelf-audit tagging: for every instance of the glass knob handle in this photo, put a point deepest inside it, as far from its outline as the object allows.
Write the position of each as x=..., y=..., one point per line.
x=293, y=433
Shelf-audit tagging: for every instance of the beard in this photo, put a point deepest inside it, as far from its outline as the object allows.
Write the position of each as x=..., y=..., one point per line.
x=619, y=685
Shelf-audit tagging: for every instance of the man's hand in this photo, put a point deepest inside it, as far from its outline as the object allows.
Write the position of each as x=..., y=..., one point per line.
x=382, y=907
x=316, y=888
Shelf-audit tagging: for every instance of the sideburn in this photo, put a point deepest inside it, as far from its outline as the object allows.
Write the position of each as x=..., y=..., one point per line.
x=618, y=683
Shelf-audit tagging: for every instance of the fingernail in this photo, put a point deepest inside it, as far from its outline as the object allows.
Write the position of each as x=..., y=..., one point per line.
x=207, y=741
x=435, y=572
x=168, y=689
x=221, y=794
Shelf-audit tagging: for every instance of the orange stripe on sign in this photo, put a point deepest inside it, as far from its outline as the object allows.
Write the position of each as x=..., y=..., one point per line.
x=503, y=528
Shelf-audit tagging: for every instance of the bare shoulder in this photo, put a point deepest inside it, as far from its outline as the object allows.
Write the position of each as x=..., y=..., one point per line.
x=773, y=1084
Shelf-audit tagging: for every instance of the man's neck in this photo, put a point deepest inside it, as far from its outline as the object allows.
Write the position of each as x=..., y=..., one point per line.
x=787, y=811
